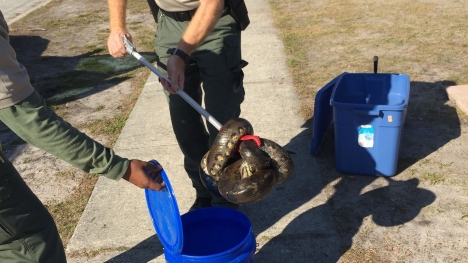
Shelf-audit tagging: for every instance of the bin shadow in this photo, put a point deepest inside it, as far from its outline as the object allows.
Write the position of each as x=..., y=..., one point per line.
x=333, y=204
x=430, y=122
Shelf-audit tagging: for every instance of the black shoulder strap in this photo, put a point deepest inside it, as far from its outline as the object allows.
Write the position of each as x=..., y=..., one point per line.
x=239, y=13
x=154, y=9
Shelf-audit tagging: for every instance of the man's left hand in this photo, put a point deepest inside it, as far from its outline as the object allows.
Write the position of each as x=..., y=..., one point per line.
x=176, y=73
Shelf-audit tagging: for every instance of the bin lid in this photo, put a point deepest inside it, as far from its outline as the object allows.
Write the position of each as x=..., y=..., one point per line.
x=323, y=114
x=164, y=211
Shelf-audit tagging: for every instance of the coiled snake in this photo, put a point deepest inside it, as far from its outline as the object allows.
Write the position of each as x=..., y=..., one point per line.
x=239, y=169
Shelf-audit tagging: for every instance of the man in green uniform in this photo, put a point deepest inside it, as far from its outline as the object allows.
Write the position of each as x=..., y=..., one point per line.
x=197, y=41
x=27, y=230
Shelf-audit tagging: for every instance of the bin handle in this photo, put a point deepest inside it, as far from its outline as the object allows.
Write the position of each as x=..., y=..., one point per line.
x=367, y=112
x=376, y=61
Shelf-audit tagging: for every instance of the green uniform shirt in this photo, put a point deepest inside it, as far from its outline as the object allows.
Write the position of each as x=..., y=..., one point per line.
x=24, y=111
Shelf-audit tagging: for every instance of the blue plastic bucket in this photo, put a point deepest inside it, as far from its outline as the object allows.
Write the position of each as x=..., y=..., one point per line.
x=215, y=235
x=211, y=235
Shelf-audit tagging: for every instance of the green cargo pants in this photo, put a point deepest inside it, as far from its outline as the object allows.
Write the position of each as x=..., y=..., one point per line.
x=27, y=230
x=218, y=66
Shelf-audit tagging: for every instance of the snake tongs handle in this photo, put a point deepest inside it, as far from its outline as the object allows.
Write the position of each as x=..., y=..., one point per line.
x=131, y=49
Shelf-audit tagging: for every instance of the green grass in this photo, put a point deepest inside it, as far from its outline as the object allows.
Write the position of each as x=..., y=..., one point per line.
x=325, y=38
x=434, y=178
x=83, y=19
x=95, y=65
x=27, y=160
x=92, y=253
x=68, y=212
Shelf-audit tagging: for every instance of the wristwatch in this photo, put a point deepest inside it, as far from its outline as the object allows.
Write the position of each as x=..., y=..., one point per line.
x=175, y=51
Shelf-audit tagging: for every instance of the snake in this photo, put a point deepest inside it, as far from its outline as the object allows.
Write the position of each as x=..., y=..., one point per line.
x=240, y=170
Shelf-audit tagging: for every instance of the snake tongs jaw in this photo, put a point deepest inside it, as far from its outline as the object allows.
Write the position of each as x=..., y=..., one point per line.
x=128, y=45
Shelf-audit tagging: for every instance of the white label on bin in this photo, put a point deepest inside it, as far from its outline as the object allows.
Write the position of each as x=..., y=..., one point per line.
x=366, y=136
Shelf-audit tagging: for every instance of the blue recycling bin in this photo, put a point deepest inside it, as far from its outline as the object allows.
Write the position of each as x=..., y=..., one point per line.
x=368, y=114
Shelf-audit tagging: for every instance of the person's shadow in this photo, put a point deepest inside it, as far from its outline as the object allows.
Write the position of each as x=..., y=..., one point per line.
x=86, y=73
x=324, y=229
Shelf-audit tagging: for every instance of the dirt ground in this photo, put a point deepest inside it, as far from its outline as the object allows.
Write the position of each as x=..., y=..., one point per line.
x=419, y=215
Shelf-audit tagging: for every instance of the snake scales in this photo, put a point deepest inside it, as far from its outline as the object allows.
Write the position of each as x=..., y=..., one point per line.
x=240, y=170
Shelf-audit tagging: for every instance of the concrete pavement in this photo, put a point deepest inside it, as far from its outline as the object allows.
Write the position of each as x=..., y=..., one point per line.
x=116, y=223
x=14, y=10
x=459, y=95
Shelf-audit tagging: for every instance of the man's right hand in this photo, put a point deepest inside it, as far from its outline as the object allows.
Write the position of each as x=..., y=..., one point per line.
x=115, y=43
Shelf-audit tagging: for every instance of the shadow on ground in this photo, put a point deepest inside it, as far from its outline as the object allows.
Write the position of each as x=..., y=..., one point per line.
x=79, y=76
x=430, y=122
x=325, y=232
x=145, y=251
x=324, y=228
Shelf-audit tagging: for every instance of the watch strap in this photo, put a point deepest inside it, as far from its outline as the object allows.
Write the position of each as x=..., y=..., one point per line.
x=175, y=51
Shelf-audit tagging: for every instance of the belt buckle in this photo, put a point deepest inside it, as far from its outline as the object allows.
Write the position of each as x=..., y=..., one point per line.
x=184, y=16
x=180, y=16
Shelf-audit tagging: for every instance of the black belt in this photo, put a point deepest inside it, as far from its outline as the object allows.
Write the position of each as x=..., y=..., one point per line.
x=180, y=16
x=183, y=16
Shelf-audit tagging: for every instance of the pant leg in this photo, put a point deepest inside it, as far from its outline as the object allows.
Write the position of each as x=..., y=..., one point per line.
x=220, y=65
x=27, y=230
x=187, y=123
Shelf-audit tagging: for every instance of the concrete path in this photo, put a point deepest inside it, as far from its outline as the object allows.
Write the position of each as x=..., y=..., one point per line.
x=288, y=223
x=14, y=10
x=459, y=95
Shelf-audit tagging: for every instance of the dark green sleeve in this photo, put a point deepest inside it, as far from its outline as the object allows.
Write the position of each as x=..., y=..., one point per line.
x=40, y=126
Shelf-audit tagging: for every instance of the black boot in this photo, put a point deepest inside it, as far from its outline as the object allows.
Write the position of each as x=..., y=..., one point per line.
x=201, y=202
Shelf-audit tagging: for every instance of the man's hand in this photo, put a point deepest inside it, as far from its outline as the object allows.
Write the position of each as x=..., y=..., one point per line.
x=175, y=72
x=116, y=45
x=137, y=174
x=201, y=25
x=117, y=16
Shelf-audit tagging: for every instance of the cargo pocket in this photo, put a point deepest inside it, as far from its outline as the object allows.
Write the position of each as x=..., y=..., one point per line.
x=232, y=51
x=238, y=77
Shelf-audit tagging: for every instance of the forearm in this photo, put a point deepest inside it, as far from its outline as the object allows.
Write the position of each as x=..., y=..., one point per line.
x=117, y=14
x=201, y=24
x=39, y=125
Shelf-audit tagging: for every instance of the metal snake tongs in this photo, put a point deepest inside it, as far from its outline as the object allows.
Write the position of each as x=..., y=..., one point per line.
x=131, y=49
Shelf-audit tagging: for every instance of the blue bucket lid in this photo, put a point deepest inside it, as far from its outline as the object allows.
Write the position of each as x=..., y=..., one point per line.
x=162, y=206
x=323, y=114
